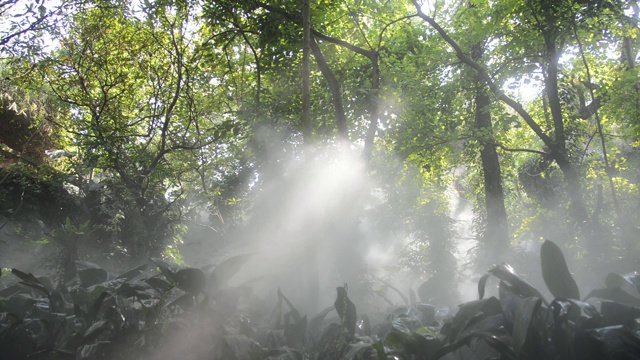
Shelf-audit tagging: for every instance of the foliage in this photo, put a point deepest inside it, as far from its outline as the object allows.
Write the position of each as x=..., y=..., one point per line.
x=171, y=311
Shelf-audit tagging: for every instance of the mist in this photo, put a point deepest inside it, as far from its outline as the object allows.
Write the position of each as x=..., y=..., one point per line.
x=320, y=218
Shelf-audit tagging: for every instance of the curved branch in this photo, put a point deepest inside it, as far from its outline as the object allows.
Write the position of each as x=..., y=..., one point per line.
x=515, y=105
x=407, y=17
x=522, y=150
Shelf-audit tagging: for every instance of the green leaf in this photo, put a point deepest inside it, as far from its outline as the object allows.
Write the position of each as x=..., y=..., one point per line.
x=481, y=285
x=30, y=278
x=406, y=325
x=629, y=283
x=31, y=281
x=614, y=280
x=95, y=330
x=295, y=333
x=472, y=312
x=94, y=351
x=613, y=342
x=166, y=268
x=95, y=307
x=158, y=284
x=346, y=310
x=359, y=350
x=315, y=324
x=522, y=323
x=379, y=347
x=555, y=272
x=614, y=294
x=292, y=309
x=133, y=272
x=507, y=274
x=619, y=314
x=413, y=344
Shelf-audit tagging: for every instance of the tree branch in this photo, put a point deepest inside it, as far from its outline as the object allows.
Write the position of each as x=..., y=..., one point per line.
x=516, y=106
x=522, y=150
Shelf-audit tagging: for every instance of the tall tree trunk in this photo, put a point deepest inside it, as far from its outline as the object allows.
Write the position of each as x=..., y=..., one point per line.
x=629, y=51
x=496, y=237
x=559, y=143
x=551, y=90
x=306, y=70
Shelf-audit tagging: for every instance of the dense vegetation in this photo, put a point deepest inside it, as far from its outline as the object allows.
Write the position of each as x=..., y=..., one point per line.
x=250, y=145
x=181, y=312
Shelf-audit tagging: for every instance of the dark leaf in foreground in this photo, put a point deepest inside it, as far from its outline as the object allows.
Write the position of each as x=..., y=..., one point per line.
x=168, y=269
x=292, y=309
x=614, y=294
x=510, y=302
x=346, y=310
x=523, y=322
x=628, y=283
x=158, y=284
x=406, y=325
x=507, y=274
x=413, y=344
x=133, y=272
x=578, y=312
x=295, y=333
x=94, y=351
x=95, y=330
x=472, y=312
x=481, y=285
x=10, y=291
x=315, y=324
x=360, y=350
x=496, y=339
x=614, y=342
x=190, y=280
x=555, y=272
x=95, y=307
x=30, y=278
x=618, y=314
x=285, y=353
x=333, y=343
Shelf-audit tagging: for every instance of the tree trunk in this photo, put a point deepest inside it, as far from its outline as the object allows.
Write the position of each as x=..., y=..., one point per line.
x=496, y=237
x=558, y=146
x=551, y=90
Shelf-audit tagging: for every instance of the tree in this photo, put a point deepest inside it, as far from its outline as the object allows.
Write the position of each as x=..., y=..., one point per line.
x=134, y=86
x=548, y=21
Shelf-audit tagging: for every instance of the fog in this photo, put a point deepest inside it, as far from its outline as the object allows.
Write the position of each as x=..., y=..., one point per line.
x=314, y=224
x=315, y=218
